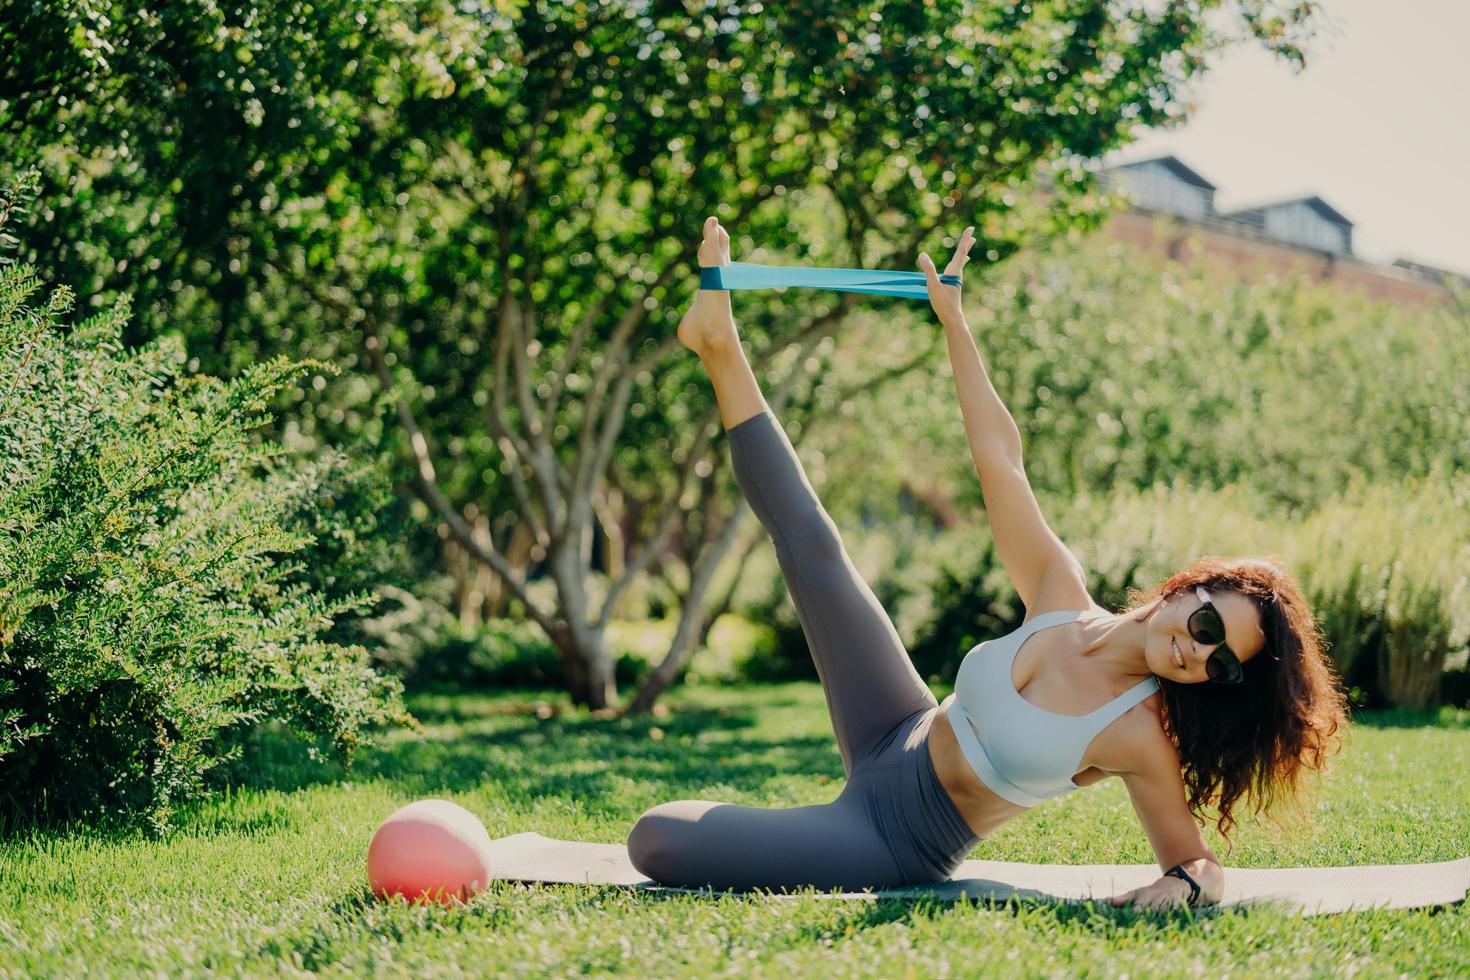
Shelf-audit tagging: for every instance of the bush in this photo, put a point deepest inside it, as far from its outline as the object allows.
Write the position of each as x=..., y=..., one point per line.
x=1296, y=387
x=420, y=640
x=939, y=589
x=1382, y=567
x=1389, y=570
x=153, y=599
x=780, y=653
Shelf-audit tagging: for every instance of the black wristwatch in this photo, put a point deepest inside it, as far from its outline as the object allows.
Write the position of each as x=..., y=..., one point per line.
x=1178, y=872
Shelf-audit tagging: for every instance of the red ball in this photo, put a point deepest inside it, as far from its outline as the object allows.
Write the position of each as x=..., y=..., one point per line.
x=430, y=850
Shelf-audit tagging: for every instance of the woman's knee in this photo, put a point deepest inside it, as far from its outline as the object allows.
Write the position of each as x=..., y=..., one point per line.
x=651, y=842
x=815, y=533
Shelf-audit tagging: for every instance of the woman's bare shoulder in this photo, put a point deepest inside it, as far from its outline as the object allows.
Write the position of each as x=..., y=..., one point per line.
x=1060, y=593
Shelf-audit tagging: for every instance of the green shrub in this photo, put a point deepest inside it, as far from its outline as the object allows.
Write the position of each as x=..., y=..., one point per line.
x=781, y=653
x=417, y=638
x=154, y=601
x=1125, y=372
x=512, y=653
x=912, y=572
x=1383, y=567
x=1388, y=570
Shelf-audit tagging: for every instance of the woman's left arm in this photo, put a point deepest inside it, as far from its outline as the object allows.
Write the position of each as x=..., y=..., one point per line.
x=1156, y=786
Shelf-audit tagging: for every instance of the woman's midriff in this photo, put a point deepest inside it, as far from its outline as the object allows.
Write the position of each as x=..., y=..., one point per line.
x=982, y=809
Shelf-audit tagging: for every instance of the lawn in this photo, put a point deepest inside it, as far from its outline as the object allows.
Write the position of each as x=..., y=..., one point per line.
x=270, y=879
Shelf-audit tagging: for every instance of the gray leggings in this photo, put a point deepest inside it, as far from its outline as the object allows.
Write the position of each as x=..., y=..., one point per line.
x=893, y=823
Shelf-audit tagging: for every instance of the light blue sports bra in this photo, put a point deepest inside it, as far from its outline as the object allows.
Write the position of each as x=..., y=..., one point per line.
x=1029, y=754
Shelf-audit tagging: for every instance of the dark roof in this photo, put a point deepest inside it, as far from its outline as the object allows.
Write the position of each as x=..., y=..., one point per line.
x=1311, y=200
x=1180, y=169
x=1431, y=272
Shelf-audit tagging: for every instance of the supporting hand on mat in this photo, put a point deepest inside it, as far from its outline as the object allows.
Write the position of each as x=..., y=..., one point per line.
x=946, y=299
x=1167, y=892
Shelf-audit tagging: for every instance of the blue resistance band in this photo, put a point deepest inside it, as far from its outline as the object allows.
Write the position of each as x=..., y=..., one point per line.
x=749, y=275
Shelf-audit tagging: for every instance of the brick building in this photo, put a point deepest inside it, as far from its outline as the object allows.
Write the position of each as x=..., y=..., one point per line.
x=1174, y=215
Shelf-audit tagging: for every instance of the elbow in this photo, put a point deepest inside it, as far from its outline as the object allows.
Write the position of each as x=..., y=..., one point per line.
x=1003, y=452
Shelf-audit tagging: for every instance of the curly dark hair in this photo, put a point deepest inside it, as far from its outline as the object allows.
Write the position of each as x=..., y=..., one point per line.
x=1256, y=737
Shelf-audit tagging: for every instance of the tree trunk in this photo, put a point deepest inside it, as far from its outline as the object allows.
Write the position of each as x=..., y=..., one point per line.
x=696, y=622
x=589, y=669
x=608, y=504
x=518, y=553
x=479, y=593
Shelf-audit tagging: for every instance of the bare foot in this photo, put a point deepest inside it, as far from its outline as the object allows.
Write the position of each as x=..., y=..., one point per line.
x=709, y=325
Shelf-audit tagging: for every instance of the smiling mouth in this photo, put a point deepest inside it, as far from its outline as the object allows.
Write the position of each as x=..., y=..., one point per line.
x=1178, y=657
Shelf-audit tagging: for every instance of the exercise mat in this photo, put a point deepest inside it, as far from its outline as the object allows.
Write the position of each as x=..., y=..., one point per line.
x=531, y=857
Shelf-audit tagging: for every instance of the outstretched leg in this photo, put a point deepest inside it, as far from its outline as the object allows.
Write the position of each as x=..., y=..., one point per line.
x=867, y=676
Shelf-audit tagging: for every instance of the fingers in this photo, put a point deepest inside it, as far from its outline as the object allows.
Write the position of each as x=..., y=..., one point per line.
x=961, y=252
x=1136, y=899
x=926, y=266
x=967, y=240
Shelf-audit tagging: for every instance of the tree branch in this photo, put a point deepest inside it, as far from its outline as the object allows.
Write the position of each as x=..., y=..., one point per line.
x=522, y=167
x=539, y=454
x=631, y=320
x=425, y=483
x=693, y=616
x=703, y=431
x=574, y=347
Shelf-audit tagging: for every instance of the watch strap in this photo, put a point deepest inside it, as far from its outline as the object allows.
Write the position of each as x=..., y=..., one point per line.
x=1178, y=872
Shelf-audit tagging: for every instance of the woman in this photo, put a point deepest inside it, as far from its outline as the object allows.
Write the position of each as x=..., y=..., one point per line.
x=1211, y=686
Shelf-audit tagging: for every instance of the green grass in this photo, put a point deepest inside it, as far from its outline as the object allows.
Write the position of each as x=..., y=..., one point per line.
x=270, y=880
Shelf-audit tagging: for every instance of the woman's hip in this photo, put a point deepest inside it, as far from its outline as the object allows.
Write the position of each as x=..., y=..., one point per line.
x=909, y=806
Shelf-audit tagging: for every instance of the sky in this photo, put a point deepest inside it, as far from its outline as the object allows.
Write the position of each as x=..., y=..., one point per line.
x=1378, y=125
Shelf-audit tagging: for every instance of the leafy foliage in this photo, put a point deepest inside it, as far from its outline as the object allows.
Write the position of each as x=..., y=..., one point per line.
x=1163, y=409
x=1381, y=565
x=418, y=639
x=489, y=209
x=152, y=597
x=1121, y=372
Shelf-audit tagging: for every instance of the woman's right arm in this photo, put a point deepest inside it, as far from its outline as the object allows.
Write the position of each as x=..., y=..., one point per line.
x=1032, y=554
x=993, y=433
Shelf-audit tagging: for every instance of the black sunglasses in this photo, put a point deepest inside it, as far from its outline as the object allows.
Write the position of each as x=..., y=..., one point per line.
x=1206, y=626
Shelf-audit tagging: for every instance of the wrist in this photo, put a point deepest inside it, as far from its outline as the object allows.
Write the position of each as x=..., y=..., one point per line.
x=1211, y=878
x=1207, y=875
x=1193, y=891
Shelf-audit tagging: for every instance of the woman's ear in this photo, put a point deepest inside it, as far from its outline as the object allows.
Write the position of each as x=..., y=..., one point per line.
x=1147, y=612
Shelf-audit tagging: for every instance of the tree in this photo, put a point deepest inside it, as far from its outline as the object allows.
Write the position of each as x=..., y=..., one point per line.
x=499, y=229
